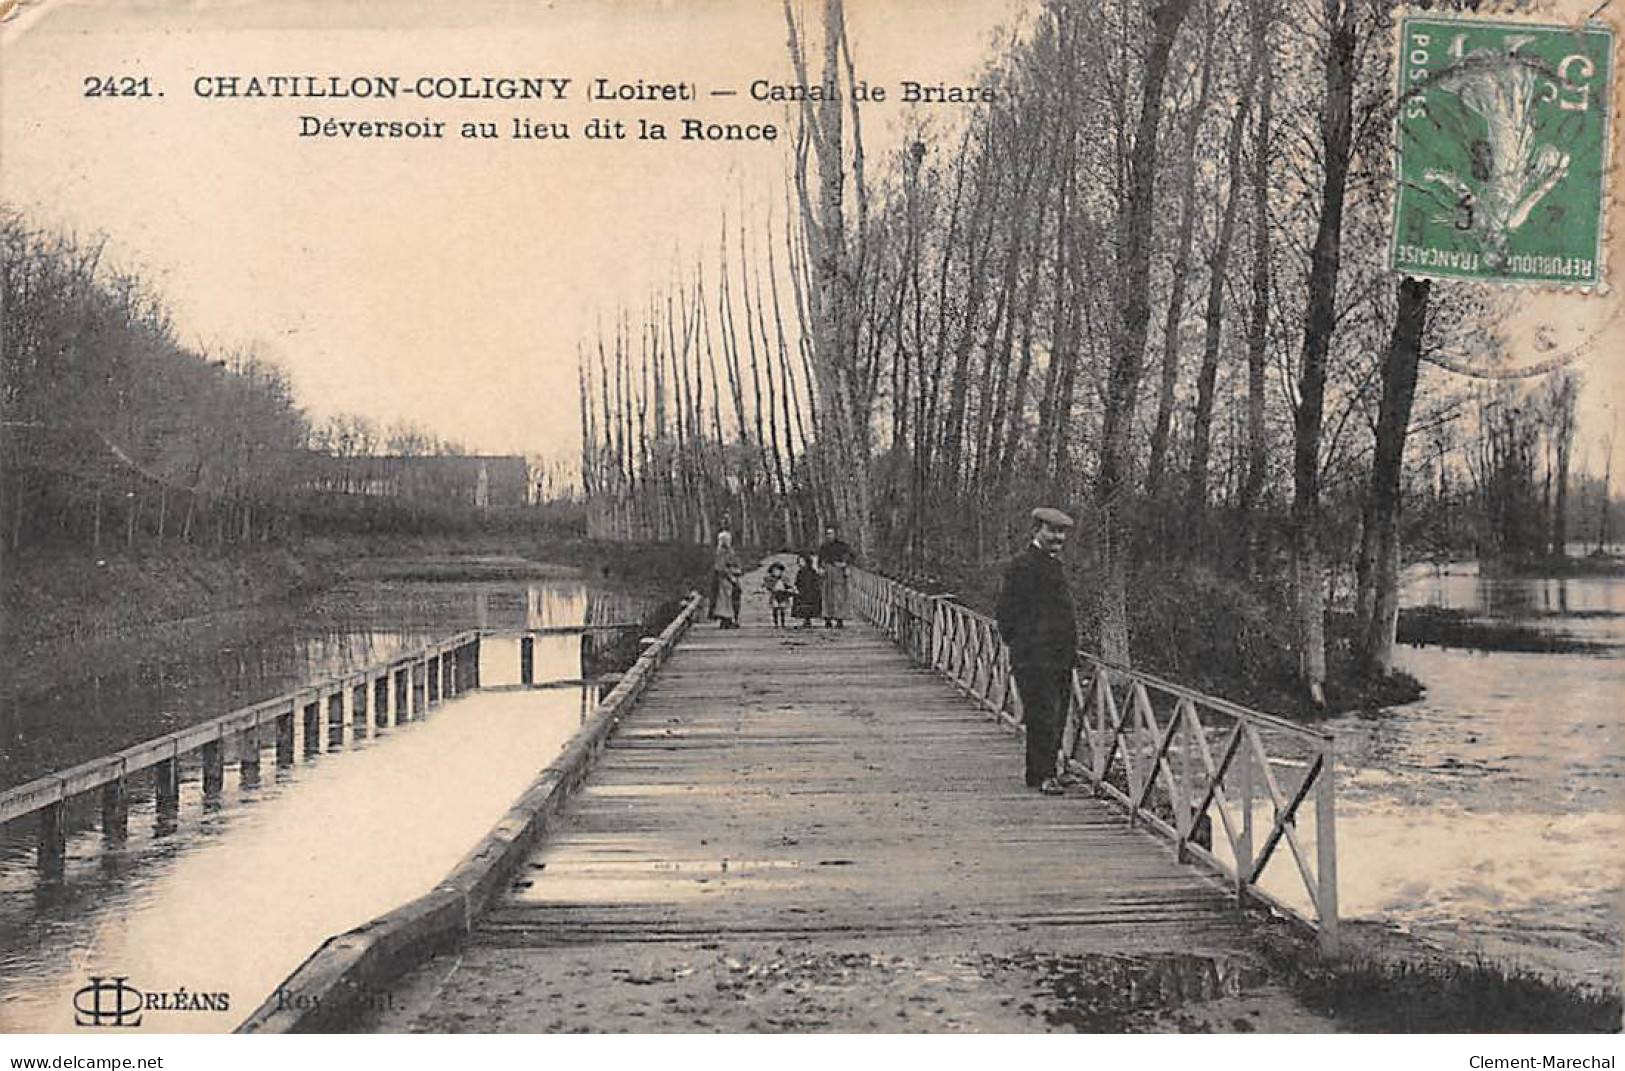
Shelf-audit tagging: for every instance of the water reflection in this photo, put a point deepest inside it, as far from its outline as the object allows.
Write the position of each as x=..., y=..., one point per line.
x=232, y=901
x=320, y=841
x=1462, y=586
x=240, y=658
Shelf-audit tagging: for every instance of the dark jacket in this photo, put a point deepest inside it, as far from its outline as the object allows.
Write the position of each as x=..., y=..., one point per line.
x=809, y=601
x=1035, y=613
x=835, y=552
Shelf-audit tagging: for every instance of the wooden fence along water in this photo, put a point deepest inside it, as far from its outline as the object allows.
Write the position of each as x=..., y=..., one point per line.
x=1175, y=759
x=343, y=977
x=334, y=709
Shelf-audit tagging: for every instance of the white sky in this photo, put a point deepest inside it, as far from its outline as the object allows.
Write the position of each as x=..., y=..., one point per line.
x=446, y=282
x=449, y=282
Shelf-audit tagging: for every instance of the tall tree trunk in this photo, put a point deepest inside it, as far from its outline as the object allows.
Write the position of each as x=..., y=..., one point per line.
x=1563, y=432
x=1309, y=572
x=1399, y=370
x=1181, y=267
x=1016, y=406
x=1258, y=323
x=842, y=388
x=1218, y=268
x=1063, y=349
x=1134, y=270
x=951, y=462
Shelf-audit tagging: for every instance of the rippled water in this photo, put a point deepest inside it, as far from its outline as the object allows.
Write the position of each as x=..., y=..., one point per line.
x=1491, y=813
x=236, y=893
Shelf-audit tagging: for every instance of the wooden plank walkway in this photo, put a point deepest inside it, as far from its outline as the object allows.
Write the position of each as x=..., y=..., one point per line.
x=808, y=787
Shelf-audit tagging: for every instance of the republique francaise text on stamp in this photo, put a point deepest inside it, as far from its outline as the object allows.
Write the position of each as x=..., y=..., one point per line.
x=1501, y=151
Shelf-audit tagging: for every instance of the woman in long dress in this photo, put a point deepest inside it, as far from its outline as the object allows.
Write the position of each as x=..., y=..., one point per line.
x=718, y=566
x=834, y=558
x=725, y=583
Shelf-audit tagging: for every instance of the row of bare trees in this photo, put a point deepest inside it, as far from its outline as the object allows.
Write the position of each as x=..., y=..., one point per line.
x=700, y=417
x=113, y=430
x=1146, y=280
x=113, y=433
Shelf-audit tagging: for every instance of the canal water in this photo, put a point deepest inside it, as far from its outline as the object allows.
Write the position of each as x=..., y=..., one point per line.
x=232, y=897
x=1489, y=816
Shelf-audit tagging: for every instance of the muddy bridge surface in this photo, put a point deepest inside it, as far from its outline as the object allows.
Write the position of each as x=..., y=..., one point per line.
x=806, y=829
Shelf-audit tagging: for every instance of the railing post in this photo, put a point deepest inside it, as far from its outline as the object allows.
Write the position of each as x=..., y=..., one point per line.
x=335, y=720
x=53, y=841
x=312, y=727
x=527, y=660
x=214, y=771
x=248, y=756
x=1101, y=745
x=166, y=790
x=1326, y=847
x=474, y=663
x=284, y=738
x=116, y=810
x=380, y=701
x=1244, y=846
x=1181, y=798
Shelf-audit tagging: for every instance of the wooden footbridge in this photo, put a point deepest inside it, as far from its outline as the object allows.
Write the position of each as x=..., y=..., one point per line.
x=839, y=788
x=835, y=789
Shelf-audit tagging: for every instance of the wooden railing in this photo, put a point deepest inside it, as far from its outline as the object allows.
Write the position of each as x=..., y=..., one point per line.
x=343, y=978
x=395, y=691
x=1178, y=761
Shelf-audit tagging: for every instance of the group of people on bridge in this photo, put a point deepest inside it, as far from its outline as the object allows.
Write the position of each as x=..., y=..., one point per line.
x=1035, y=614
x=821, y=587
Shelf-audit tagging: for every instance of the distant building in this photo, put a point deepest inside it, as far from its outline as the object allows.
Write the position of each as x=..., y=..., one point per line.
x=480, y=481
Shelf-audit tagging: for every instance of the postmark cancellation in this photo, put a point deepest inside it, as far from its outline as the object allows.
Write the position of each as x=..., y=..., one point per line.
x=1502, y=141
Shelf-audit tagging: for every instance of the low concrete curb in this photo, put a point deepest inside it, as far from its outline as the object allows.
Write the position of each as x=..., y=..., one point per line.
x=346, y=976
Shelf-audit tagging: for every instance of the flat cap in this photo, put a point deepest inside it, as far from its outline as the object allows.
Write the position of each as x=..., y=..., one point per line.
x=1052, y=517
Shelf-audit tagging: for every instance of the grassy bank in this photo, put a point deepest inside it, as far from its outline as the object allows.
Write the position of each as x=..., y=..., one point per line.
x=1388, y=983
x=1438, y=627
x=1553, y=565
x=72, y=596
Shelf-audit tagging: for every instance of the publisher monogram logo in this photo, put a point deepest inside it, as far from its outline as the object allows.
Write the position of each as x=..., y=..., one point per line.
x=110, y=1000
x=107, y=1002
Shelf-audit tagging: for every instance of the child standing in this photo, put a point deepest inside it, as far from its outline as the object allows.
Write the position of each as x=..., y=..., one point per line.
x=779, y=592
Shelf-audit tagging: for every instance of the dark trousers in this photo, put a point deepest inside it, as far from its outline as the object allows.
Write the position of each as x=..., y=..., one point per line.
x=1044, y=690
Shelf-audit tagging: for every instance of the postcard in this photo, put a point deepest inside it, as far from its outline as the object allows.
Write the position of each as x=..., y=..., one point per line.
x=818, y=516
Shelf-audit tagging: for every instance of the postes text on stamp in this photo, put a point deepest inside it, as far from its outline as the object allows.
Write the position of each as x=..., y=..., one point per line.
x=1501, y=151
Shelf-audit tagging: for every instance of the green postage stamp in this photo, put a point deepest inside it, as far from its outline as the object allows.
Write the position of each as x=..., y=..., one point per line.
x=1502, y=151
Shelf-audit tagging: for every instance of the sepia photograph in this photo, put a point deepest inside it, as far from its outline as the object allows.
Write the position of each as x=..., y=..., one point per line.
x=788, y=517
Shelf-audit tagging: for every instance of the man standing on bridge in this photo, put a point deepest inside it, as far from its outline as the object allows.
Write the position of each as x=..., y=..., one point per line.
x=1037, y=622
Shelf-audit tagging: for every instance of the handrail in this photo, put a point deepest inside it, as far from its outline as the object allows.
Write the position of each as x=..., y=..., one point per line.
x=1148, y=744
x=54, y=788
x=346, y=973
